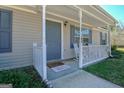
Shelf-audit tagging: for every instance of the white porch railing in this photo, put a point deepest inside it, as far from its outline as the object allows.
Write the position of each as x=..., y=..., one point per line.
x=38, y=59
x=94, y=53
x=91, y=54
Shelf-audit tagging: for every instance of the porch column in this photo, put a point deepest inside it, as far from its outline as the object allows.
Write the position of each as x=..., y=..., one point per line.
x=109, y=39
x=44, y=42
x=80, y=42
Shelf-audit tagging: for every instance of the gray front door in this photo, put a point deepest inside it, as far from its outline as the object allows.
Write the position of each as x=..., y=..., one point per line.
x=53, y=39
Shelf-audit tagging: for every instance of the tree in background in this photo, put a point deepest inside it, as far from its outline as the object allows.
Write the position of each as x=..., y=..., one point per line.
x=118, y=34
x=120, y=26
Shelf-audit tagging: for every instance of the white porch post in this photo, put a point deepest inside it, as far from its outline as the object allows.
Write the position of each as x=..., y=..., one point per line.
x=44, y=42
x=80, y=42
x=109, y=39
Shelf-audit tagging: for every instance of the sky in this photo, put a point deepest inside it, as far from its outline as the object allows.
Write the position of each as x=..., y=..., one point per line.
x=117, y=11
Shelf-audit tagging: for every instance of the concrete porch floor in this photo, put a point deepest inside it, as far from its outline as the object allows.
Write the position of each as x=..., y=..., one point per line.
x=82, y=79
x=54, y=75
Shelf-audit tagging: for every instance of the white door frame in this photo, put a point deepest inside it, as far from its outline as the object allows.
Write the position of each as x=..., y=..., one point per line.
x=62, y=34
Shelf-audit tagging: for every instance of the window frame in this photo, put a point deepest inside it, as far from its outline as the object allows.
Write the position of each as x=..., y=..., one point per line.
x=7, y=50
x=72, y=36
x=103, y=41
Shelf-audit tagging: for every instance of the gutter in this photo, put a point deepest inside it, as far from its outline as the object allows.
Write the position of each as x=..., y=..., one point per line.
x=105, y=12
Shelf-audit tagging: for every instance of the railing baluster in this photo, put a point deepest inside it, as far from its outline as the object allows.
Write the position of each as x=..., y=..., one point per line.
x=94, y=52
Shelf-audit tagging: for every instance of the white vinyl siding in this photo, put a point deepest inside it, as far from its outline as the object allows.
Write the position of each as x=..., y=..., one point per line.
x=26, y=30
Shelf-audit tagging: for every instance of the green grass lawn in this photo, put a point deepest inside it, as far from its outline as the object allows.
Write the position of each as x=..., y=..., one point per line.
x=111, y=69
x=26, y=77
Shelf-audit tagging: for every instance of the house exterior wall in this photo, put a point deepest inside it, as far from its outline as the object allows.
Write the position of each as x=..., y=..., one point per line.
x=117, y=38
x=95, y=37
x=69, y=52
x=26, y=29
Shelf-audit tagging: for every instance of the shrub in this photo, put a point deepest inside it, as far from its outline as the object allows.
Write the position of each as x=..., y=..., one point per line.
x=26, y=77
x=114, y=47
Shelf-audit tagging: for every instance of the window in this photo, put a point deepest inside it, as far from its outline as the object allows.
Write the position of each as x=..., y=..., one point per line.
x=75, y=35
x=5, y=31
x=87, y=36
x=103, y=38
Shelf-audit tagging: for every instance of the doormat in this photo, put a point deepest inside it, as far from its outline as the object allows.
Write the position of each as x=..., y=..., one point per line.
x=54, y=64
x=60, y=68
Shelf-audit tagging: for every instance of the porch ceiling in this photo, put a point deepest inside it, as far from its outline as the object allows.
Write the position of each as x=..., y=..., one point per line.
x=72, y=12
x=95, y=10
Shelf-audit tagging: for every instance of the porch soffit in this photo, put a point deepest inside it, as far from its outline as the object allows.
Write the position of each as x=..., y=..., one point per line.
x=69, y=12
x=73, y=13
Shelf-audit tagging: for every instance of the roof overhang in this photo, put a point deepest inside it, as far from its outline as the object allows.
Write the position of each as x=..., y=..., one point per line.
x=93, y=15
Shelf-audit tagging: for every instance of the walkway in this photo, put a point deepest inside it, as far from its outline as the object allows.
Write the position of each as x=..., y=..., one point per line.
x=81, y=79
